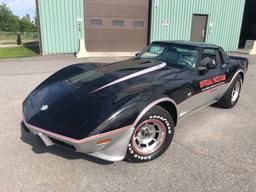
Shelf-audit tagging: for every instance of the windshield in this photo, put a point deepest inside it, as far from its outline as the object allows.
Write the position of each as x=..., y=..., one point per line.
x=172, y=54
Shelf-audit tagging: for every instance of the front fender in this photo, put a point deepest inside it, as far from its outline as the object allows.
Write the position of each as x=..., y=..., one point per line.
x=133, y=108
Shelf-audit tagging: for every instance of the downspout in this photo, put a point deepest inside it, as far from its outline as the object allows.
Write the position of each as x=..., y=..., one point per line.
x=39, y=28
x=82, y=50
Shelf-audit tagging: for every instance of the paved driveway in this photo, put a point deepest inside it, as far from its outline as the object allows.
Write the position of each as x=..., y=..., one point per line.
x=213, y=149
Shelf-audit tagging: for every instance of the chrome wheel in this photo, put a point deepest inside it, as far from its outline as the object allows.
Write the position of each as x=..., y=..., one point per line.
x=148, y=136
x=236, y=91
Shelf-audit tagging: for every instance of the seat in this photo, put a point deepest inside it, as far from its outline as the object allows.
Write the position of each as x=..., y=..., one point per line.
x=204, y=61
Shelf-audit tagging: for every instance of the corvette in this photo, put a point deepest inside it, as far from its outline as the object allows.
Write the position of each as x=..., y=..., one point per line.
x=129, y=109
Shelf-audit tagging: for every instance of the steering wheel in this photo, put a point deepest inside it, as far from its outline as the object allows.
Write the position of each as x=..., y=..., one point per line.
x=187, y=63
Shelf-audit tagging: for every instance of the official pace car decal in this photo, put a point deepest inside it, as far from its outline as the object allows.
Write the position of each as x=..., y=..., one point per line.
x=212, y=82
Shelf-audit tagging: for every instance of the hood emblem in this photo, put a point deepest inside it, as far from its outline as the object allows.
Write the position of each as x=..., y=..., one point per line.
x=44, y=107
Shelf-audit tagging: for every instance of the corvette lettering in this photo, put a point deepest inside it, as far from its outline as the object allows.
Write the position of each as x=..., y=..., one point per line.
x=212, y=81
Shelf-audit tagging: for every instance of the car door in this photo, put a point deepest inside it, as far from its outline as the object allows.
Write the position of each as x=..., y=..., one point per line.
x=224, y=72
x=210, y=77
x=205, y=88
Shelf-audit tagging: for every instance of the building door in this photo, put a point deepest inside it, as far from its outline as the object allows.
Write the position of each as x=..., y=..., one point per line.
x=199, y=27
x=116, y=25
x=248, y=30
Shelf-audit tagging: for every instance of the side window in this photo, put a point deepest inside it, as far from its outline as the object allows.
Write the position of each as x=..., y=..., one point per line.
x=138, y=24
x=209, y=55
x=96, y=22
x=118, y=23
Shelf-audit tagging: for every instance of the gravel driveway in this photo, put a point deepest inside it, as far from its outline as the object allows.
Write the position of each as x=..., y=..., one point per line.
x=213, y=149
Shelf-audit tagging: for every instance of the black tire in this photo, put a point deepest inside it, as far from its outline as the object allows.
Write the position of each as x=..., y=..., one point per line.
x=156, y=118
x=226, y=101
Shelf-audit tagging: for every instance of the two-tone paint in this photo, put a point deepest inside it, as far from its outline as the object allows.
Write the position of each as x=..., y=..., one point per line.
x=88, y=103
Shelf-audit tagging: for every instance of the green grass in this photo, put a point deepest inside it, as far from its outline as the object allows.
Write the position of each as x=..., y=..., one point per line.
x=27, y=50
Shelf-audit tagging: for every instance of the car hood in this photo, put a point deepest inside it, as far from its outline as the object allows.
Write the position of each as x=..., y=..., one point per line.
x=77, y=99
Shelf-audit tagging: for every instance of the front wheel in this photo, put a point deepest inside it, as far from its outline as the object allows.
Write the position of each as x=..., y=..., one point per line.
x=232, y=95
x=152, y=136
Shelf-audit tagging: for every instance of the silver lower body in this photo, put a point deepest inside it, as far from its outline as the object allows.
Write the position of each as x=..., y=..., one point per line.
x=114, y=150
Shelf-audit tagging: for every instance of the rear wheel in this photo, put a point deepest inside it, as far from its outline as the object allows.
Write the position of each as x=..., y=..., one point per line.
x=152, y=136
x=232, y=95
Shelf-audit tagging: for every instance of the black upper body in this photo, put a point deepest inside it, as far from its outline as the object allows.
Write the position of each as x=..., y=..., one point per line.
x=87, y=99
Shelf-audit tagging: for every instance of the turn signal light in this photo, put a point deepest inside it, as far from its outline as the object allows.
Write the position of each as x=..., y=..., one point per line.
x=103, y=141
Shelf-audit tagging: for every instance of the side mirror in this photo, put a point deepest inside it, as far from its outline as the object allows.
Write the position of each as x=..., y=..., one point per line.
x=137, y=54
x=205, y=65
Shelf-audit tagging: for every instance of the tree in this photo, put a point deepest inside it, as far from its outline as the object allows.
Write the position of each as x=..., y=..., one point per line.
x=8, y=21
x=26, y=25
x=12, y=23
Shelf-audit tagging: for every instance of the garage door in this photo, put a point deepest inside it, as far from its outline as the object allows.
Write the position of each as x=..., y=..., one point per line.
x=116, y=25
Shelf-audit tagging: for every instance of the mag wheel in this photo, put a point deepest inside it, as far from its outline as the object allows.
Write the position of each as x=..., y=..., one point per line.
x=232, y=95
x=152, y=136
x=235, y=91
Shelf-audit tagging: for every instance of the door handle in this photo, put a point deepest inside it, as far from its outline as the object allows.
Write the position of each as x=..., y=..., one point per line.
x=203, y=33
x=188, y=91
x=224, y=65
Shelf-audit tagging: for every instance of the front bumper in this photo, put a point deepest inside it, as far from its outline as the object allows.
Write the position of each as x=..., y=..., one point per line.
x=113, y=148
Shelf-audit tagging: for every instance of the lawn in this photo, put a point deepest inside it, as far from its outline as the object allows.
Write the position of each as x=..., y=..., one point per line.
x=27, y=50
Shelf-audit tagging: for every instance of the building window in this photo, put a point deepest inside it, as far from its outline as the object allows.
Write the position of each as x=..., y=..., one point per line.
x=138, y=23
x=118, y=23
x=96, y=22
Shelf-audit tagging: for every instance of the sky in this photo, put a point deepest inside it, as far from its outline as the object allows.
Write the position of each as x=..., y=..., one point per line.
x=21, y=7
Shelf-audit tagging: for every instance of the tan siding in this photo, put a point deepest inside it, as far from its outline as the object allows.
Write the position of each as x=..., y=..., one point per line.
x=110, y=38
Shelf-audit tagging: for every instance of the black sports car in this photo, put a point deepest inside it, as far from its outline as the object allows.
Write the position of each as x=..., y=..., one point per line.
x=129, y=109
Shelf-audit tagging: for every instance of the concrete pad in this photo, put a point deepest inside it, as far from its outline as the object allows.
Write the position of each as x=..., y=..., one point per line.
x=213, y=149
x=249, y=48
x=111, y=54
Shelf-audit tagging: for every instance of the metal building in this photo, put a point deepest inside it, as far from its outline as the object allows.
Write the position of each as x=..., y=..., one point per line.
x=128, y=26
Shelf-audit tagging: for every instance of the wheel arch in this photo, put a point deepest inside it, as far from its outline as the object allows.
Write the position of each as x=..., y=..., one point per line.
x=171, y=108
x=242, y=75
x=167, y=103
